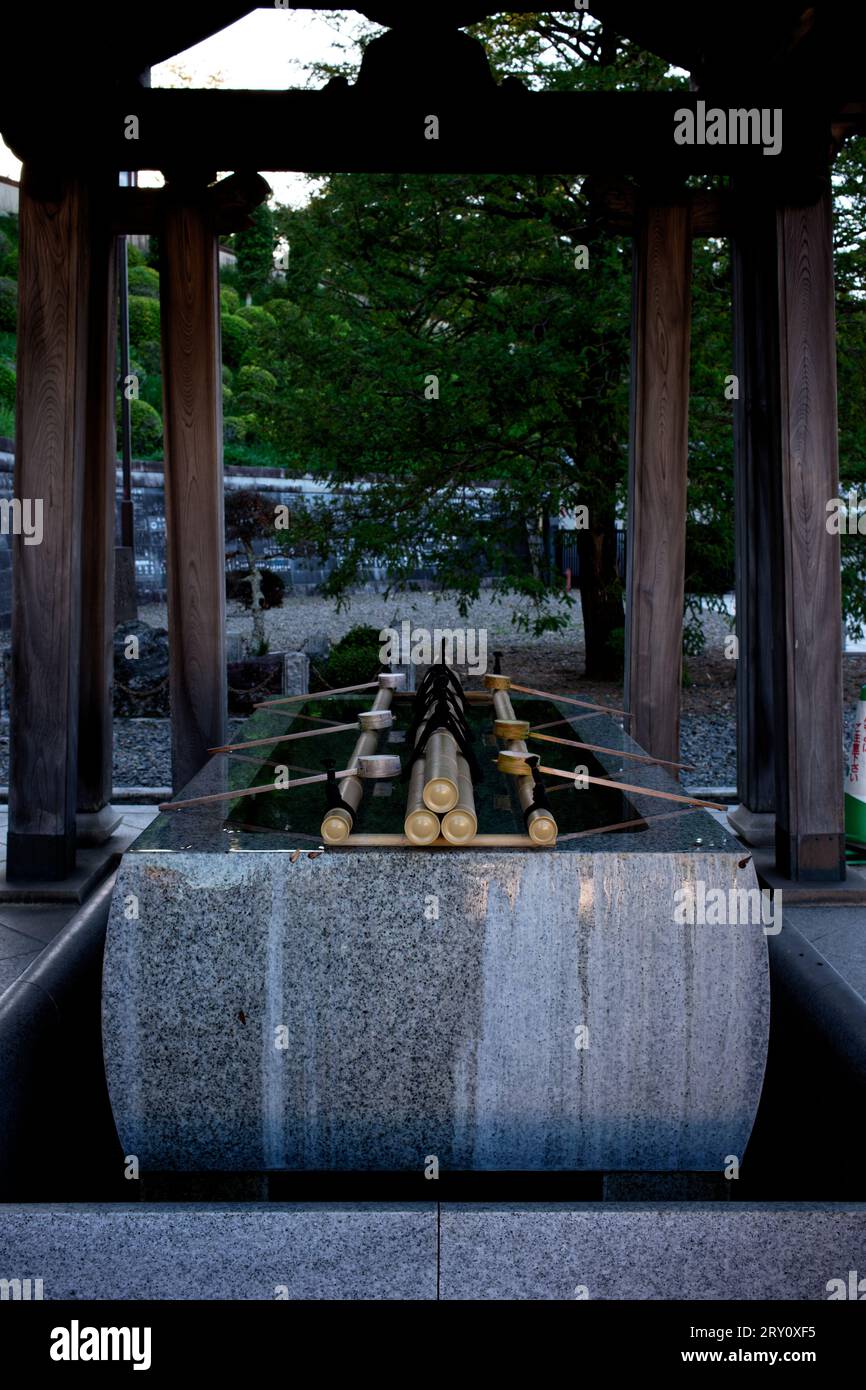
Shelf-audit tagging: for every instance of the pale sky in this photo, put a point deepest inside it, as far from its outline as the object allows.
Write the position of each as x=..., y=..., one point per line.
x=266, y=49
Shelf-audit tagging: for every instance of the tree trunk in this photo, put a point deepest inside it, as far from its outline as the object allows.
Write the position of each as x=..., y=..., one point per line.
x=259, y=640
x=600, y=599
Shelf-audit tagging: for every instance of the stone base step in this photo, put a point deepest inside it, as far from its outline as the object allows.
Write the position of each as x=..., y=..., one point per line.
x=636, y=1251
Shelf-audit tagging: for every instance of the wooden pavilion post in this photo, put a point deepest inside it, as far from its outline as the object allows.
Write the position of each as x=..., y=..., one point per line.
x=54, y=283
x=96, y=818
x=658, y=458
x=757, y=445
x=810, y=840
x=195, y=534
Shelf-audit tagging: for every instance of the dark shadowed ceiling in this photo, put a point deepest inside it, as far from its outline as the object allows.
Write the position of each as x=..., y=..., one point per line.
x=64, y=38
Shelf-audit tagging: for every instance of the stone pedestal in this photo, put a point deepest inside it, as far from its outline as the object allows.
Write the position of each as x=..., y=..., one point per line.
x=296, y=673
x=125, y=601
x=755, y=827
x=365, y=1010
x=95, y=827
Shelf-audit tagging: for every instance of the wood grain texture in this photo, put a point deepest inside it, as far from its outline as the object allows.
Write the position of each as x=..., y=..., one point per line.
x=54, y=277
x=195, y=535
x=757, y=442
x=95, y=715
x=658, y=459
x=807, y=587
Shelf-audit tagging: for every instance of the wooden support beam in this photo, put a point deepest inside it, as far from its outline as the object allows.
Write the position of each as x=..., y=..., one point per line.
x=195, y=533
x=807, y=604
x=615, y=203
x=658, y=455
x=757, y=445
x=504, y=129
x=139, y=211
x=54, y=285
x=97, y=579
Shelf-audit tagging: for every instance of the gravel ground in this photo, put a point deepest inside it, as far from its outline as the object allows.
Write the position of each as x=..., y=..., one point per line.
x=307, y=618
x=709, y=741
x=142, y=755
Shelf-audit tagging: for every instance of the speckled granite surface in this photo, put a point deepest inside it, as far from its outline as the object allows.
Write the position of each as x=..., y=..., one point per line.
x=642, y=1251
x=366, y=1010
x=723, y=1250
x=257, y=1251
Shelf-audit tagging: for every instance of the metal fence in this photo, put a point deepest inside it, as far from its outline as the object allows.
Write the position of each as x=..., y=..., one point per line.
x=300, y=574
x=570, y=559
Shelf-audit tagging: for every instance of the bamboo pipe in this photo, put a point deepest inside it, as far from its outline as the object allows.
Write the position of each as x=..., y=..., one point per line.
x=460, y=825
x=368, y=719
x=441, y=786
x=421, y=826
x=495, y=681
x=236, y=795
x=364, y=767
x=515, y=770
x=337, y=825
x=320, y=695
x=280, y=738
x=615, y=752
x=540, y=824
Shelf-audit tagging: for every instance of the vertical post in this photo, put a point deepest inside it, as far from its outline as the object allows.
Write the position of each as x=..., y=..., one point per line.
x=757, y=443
x=810, y=839
x=125, y=604
x=54, y=279
x=195, y=534
x=96, y=819
x=658, y=457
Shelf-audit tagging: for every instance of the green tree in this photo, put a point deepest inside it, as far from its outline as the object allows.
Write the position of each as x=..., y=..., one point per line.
x=849, y=187
x=254, y=247
x=443, y=343
x=247, y=515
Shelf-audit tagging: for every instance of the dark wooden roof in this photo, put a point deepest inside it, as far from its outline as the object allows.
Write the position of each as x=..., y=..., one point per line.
x=63, y=39
x=59, y=59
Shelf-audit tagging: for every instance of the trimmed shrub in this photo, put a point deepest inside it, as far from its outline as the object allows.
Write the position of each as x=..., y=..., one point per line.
x=144, y=281
x=146, y=428
x=8, y=304
x=236, y=335
x=354, y=659
x=235, y=429
x=282, y=310
x=230, y=300
x=239, y=587
x=256, y=388
x=151, y=391
x=259, y=319
x=143, y=320
x=7, y=385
